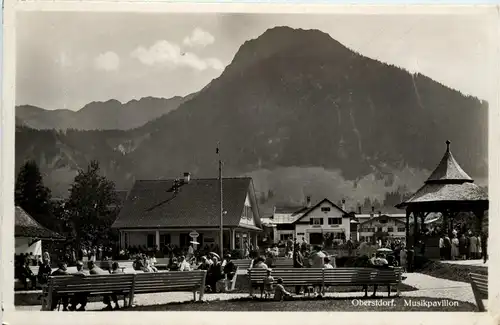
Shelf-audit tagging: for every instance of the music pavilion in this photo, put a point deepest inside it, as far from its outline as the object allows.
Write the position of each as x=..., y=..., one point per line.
x=159, y=212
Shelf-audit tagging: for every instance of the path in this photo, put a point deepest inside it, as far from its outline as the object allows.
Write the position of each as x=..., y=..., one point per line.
x=427, y=286
x=468, y=262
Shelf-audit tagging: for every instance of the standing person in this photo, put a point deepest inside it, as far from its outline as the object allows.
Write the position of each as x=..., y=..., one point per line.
x=298, y=262
x=484, y=243
x=229, y=272
x=442, y=248
x=473, y=246
x=462, y=247
x=410, y=254
x=454, y=248
x=447, y=245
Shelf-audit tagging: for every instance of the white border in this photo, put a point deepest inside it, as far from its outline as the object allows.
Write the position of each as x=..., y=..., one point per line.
x=200, y=318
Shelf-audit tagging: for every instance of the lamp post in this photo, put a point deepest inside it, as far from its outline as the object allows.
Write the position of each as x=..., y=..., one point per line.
x=221, y=239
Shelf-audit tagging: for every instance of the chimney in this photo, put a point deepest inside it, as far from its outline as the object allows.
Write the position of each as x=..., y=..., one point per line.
x=308, y=201
x=187, y=178
x=343, y=204
x=359, y=209
x=379, y=213
x=373, y=212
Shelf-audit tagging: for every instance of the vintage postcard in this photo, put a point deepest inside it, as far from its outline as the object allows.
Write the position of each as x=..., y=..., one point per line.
x=251, y=159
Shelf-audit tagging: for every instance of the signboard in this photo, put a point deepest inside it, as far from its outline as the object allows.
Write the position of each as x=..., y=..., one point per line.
x=194, y=234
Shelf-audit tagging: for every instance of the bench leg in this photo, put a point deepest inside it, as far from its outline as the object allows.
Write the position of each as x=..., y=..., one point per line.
x=388, y=291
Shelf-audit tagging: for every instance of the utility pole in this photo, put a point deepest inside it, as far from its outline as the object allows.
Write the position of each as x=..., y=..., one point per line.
x=221, y=239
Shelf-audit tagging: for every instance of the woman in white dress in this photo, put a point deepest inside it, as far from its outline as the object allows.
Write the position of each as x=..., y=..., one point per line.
x=454, y=247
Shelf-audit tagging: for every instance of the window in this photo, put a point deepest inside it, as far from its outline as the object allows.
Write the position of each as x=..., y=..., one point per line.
x=164, y=239
x=383, y=221
x=401, y=229
x=151, y=240
x=325, y=209
x=379, y=229
x=316, y=221
x=285, y=237
x=390, y=229
x=334, y=221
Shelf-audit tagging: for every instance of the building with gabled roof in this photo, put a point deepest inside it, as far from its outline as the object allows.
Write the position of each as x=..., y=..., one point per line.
x=159, y=212
x=29, y=233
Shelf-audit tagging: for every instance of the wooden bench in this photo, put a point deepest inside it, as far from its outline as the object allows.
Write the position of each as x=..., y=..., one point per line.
x=92, y=285
x=281, y=263
x=479, y=283
x=330, y=277
x=170, y=281
x=243, y=263
x=355, y=276
x=127, y=284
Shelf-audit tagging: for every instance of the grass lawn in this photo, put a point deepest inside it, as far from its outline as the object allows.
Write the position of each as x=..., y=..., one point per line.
x=311, y=304
x=242, y=287
x=452, y=272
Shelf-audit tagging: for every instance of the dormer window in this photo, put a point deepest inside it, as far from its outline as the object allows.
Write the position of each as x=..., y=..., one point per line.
x=325, y=209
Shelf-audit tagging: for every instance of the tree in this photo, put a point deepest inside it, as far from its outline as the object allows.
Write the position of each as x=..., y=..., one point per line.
x=33, y=196
x=89, y=206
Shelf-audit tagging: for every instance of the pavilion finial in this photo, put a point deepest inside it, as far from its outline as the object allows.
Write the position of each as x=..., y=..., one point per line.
x=448, y=145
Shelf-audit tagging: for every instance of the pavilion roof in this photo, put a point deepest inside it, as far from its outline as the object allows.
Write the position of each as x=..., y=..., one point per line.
x=448, y=184
x=448, y=170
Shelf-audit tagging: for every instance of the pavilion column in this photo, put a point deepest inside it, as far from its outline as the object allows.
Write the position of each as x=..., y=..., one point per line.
x=415, y=228
x=407, y=228
x=479, y=221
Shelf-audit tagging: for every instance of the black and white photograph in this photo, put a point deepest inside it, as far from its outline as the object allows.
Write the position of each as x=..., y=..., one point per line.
x=251, y=161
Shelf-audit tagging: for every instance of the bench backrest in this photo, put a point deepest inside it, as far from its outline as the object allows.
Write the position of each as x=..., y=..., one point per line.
x=91, y=283
x=480, y=284
x=242, y=263
x=336, y=276
x=349, y=275
x=165, y=281
x=283, y=263
x=290, y=276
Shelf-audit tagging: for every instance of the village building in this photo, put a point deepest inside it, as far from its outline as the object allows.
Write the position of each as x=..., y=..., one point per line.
x=381, y=226
x=29, y=234
x=160, y=212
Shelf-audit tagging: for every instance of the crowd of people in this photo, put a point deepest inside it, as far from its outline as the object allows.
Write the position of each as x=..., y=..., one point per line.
x=461, y=246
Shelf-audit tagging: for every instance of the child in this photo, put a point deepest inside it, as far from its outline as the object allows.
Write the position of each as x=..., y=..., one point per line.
x=280, y=293
x=268, y=284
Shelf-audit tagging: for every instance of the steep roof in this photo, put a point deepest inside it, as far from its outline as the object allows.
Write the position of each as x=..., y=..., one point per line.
x=449, y=184
x=319, y=204
x=448, y=170
x=153, y=203
x=26, y=226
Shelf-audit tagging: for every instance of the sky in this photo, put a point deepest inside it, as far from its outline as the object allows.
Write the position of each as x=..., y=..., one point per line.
x=66, y=59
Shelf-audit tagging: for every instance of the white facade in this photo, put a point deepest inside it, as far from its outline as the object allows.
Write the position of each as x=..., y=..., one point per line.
x=324, y=219
x=393, y=226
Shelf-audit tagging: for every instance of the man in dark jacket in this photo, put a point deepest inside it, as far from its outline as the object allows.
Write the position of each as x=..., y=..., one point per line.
x=80, y=298
x=61, y=271
x=298, y=262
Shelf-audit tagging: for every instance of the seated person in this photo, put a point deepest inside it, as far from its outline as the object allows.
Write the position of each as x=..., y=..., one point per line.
x=280, y=293
x=268, y=284
x=26, y=276
x=229, y=272
x=61, y=271
x=44, y=272
x=80, y=298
